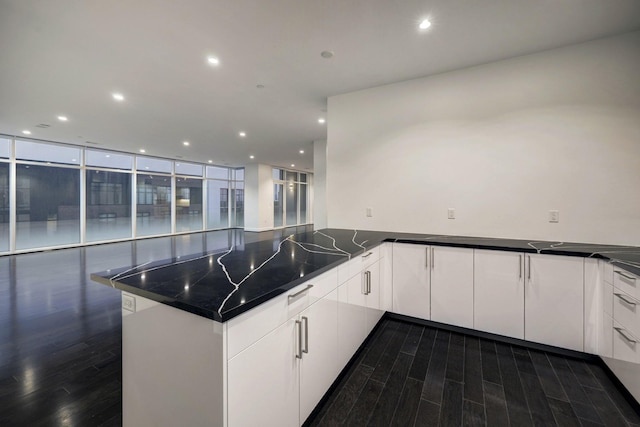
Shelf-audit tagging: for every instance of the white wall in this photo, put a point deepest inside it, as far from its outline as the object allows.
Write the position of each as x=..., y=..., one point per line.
x=258, y=197
x=319, y=189
x=502, y=143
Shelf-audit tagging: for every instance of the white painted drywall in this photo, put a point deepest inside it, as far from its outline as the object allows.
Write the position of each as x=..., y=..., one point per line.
x=502, y=143
x=319, y=184
x=258, y=197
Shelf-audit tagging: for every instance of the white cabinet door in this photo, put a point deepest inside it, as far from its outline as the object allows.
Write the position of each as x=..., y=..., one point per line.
x=319, y=363
x=554, y=295
x=371, y=275
x=498, y=303
x=352, y=318
x=411, y=284
x=452, y=286
x=263, y=381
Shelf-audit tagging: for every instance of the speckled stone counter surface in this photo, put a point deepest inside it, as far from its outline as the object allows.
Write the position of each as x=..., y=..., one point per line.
x=223, y=284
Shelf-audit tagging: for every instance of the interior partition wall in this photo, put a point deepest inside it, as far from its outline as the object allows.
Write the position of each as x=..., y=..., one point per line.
x=58, y=195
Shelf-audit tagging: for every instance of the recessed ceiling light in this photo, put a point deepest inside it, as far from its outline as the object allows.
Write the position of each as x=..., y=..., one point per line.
x=326, y=54
x=107, y=155
x=209, y=161
x=301, y=151
x=142, y=150
x=292, y=165
x=63, y=118
x=424, y=24
x=252, y=156
x=74, y=160
x=242, y=134
x=118, y=96
x=26, y=132
x=185, y=143
x=322, y=120
x=213, y=60
x=260, y=86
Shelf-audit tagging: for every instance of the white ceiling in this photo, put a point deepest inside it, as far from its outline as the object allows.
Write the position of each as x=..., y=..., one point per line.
x=68, y=56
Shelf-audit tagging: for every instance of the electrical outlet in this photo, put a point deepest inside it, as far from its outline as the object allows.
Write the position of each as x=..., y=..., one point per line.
x=128, y=303
x=554, y=216
x=369, y=212
x=451, y=213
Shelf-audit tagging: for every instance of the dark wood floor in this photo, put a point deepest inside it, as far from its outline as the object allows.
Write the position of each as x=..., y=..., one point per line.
x=412, y=375
x=60, y=356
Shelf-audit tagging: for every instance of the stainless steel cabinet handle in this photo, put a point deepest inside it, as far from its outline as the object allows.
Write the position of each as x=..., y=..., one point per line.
x=363, y=285
x=433, y=257
x=305, y=319
x=299, y=352
x=529, y=272
x=292, y=296
x=519, y=266
x=624, y=335
x=623, y=298
x=367, y=255
x=624, y=275
x=367, y=276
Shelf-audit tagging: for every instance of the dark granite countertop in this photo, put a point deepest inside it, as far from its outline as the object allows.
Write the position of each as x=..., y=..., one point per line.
x=223, y=284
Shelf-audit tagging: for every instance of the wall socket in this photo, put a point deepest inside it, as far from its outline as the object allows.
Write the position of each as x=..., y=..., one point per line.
x=129, y=303
x=451, y=213
x=554, y=216
x=369, y=212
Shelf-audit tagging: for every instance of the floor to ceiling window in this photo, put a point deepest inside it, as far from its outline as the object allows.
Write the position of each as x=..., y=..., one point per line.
x=153, y=196
x=290, y=198
x=54, y=195
x=47, y=195
x=188, y=197
x=108, y=196
x=5, y=210
x=217, y=197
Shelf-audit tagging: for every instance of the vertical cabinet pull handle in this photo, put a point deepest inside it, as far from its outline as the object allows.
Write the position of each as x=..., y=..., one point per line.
x=433, y=257
x=305, y=319
x=366, y=282
x=368, y=273
x=519, y=266
x=529, y=272
x=299, y=349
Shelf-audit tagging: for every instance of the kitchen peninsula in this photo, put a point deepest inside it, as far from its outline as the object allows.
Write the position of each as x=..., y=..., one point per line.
x=258, y=332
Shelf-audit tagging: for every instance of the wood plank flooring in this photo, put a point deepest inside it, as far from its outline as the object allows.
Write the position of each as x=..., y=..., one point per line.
x=413, y=375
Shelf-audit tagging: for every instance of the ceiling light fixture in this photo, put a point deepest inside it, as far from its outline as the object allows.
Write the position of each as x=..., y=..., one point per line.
x=26, y=132
x=213, y=60
x=142, y=150
x=326, y=54
x=322, y=120
x=209, y=161
x=292, y=165
x=185, y=143
x=424, y=24
x=118, y=96
x=301, y=151
x=242, y=134
x=260, y=86
x=252, y=157
x=63, y=118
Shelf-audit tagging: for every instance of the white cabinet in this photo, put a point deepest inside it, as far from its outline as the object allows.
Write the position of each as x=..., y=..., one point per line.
x=285, y=372
x=498, y=305
x=263, y=386
x=411, y=280
x=358, y=310
x=452, y=286
x=554, y=298
x=319, y=357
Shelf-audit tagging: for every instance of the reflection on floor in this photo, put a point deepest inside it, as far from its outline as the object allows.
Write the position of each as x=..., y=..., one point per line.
x=60, y=333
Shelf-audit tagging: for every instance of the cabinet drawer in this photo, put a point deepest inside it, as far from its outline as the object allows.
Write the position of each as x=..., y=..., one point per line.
x=607, y=298
x=626, y=311
x=246, y=329
x=608, y=272
x=625, y=345
x=357, y=264
x=626, y=282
